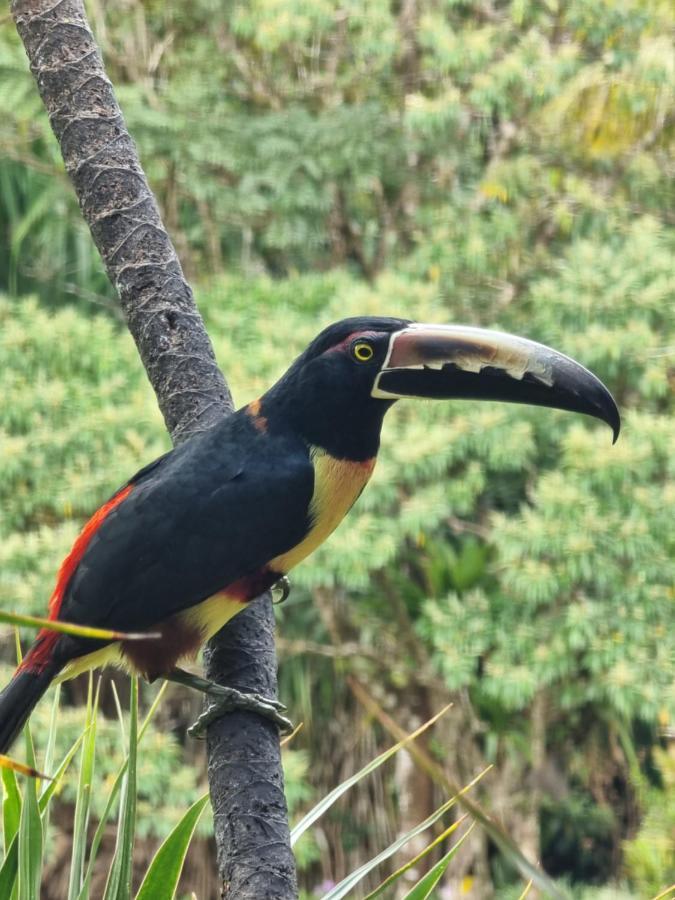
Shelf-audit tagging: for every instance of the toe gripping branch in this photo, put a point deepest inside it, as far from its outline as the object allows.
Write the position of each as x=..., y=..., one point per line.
x=225, y=700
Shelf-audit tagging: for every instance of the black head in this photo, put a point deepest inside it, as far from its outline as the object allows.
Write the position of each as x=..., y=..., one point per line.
x=327, y=392
x=337, y=392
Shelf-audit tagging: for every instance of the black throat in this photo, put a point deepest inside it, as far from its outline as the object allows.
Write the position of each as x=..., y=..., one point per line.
x=344, y=425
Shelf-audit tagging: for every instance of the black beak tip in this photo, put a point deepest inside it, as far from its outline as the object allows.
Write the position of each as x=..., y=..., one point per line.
x=609, y=413
x=616, y=428
x=598, y=402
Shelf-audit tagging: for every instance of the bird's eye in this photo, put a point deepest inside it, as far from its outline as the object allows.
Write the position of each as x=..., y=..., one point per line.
x=362, y=351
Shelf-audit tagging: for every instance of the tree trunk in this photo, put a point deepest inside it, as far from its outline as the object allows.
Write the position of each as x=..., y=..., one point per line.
x=245, y=776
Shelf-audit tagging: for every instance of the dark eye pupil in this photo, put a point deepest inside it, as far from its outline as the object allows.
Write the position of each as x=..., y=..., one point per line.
x=363, y=351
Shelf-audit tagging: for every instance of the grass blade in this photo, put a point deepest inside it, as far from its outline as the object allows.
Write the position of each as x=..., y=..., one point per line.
x=161, y=879
x=119, y=880
x=9, y=869
x=114, y=791
x=666, y=894
x=6, y=762
x=51, y=737
x=422, y=890
x=347, y=884
x=120, y=712
x=11, y=816
x=289, y=737
x=30, y=833
x=504, y=842
x=413, y=862
x=11, y=807
x=10, y=864
x=326, y=802
x=83, y=799
x=85, y=631
x=49, y=753
x=55, y=780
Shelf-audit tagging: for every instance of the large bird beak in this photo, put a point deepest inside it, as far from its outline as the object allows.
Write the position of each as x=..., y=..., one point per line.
x=446, y=361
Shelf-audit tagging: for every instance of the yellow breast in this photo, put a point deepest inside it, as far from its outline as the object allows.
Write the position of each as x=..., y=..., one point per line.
x=337, y=485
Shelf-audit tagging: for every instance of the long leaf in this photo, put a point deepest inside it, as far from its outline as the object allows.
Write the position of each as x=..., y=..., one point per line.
x=51, y=737
x=426, y=884
x=413, y=862
x=6, y=762
x=161, y=879
x=505, y=843
x=112, y=796
x=347, y=884
x=49, y=752
x=49, y=790
x=666, y=894
x=9, y=869
x=11, y=806
x=10, y=864
x=325, y=804
x=83, y=798
x=289, y=737
x=119, y=879
x=85, y=631
x=11, y=816
x=30, y=833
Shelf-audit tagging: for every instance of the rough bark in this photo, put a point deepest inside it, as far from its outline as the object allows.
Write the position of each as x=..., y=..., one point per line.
x=245, y=774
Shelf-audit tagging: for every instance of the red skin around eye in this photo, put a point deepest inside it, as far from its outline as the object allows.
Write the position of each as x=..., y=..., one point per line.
x=348, y=341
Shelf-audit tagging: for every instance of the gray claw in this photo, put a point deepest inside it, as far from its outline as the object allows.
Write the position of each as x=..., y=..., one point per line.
x=284, y=586
x=228, y=700
x=243, y=700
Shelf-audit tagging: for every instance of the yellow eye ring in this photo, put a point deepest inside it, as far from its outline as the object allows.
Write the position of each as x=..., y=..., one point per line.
x=362, y=351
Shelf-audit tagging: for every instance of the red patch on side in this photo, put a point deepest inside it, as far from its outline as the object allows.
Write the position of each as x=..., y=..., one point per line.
x=72, y=561
x=251, y=586
x=41, y=651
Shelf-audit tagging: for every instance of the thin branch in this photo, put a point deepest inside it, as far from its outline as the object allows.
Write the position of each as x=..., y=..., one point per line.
x=245, y=775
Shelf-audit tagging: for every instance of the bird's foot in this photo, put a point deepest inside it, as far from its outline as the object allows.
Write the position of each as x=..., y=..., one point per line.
x=225, y=700
x=283, y=587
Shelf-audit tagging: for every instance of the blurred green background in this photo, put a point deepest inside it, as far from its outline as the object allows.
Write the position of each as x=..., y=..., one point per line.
x=505, y=163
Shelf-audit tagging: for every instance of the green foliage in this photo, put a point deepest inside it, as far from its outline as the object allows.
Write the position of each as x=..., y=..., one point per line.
x=26, y=816
x=650, y=855
x=84, y=792
x=326, y=802
x=161, y=879
x=118, y=885
x=426, y=885
x=26, y=819
x=30, y=836
x=352, y=135
x=548, y=505
x=345, y=887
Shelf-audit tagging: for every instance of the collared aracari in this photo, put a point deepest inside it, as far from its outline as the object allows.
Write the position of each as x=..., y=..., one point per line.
x=195, y=535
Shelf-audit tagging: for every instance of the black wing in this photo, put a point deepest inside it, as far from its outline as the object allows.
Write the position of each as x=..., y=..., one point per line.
x=212, y=511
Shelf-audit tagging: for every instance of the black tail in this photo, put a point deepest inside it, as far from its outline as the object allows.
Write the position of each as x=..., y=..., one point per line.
x=19, y=698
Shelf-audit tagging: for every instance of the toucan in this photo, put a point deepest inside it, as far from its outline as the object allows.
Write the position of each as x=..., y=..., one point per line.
x=195, y=535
